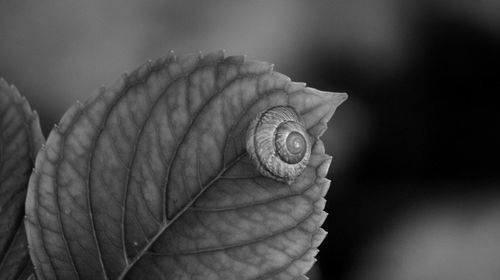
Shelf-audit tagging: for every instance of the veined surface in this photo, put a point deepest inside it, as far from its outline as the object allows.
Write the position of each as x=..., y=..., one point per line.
x=150, y=179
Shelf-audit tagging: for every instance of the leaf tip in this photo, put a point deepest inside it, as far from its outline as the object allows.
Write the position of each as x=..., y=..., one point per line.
x=149, y=64
x=171, y=56
x=323, y=215
x=322, y=169
x=281, y=75
x=334, y=98
x=324, y=185
x=318, y=237
x=12, y=86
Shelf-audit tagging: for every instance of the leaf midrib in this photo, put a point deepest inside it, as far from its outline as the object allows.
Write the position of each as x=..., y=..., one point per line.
x=135, y=146
x=130, y=264
x=167, y=223
x=210, y=183
x=179, y=214
x=124, y=92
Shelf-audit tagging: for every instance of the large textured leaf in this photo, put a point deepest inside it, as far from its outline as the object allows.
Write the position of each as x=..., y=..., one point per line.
x=20, y=139
x=150, y=179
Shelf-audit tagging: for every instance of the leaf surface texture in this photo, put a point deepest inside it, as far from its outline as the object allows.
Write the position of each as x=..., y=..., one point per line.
x=149, y=179
x=20, y=139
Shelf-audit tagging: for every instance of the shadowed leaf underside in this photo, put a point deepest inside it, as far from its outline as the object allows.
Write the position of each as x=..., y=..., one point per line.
x=20, y=139
x=149, y=179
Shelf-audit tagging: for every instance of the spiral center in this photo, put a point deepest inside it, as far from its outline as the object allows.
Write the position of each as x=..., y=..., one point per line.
x=295, y=143
x=290, y=142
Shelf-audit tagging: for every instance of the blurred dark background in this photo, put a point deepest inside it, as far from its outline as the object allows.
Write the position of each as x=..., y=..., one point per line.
x=416, y=182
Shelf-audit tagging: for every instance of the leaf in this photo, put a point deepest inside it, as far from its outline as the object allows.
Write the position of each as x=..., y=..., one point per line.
x=20, y=139
x=150, y=179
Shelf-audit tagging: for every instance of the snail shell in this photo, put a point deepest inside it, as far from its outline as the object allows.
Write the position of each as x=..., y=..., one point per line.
x=278, y=143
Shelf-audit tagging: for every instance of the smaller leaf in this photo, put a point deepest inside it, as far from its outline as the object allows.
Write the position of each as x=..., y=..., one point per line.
x=20, y=139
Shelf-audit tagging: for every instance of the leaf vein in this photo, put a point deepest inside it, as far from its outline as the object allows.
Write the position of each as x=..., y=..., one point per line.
x=251, y=204
x=235, y=245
